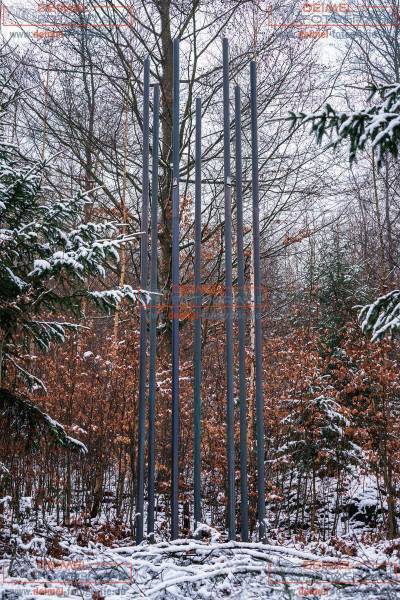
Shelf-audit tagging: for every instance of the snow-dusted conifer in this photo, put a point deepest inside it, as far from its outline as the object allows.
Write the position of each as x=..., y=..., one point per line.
x=51, y=261
x=378, y=124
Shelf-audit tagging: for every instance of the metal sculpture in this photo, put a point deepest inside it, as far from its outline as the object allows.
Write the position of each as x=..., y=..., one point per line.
x=143, y=313
x=175, y=309
x=241, y=312
x=230, y=444
x=175, y=297
x=197, y=324
x=153, y=312
x=257, y=304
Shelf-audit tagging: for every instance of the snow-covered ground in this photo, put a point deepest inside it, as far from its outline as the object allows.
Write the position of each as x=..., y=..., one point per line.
x=206, y=569
x=97, y=558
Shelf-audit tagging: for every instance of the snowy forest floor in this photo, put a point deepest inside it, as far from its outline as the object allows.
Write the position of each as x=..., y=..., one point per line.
x=190, y=568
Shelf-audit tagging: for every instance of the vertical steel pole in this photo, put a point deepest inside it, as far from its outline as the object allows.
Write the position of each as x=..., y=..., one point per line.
x=143, y=312
x=175, y=297
x=241, y=309
x=153, y=311
x=257, y=306
x=197, y=323
x=228, y=297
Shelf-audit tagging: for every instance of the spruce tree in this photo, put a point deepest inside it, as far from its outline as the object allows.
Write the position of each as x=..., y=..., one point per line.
x=52, y=263
x=378, y=125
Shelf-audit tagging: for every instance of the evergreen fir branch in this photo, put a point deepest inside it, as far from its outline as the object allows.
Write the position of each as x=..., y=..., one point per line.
x=33, y=423
x=378, y=124
x=29, y=377
x=381, y=317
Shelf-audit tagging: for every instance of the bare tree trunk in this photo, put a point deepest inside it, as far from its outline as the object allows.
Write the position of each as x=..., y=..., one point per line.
x=166, y=139
x=389, y=231
x=124, y=212
x=378, y=213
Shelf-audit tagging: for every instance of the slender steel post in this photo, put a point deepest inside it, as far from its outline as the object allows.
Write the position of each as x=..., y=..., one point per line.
x=257, y=306
x=175, y=297
x=153, y=311
x=241, y=310
x=228, y=298
x=143, y=312
x=197, y=323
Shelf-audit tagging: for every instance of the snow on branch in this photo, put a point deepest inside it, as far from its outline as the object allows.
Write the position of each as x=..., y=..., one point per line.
x=378, y=124
x=30, y=421
x=382, y=317
x=110, y=299
x=198, y=569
